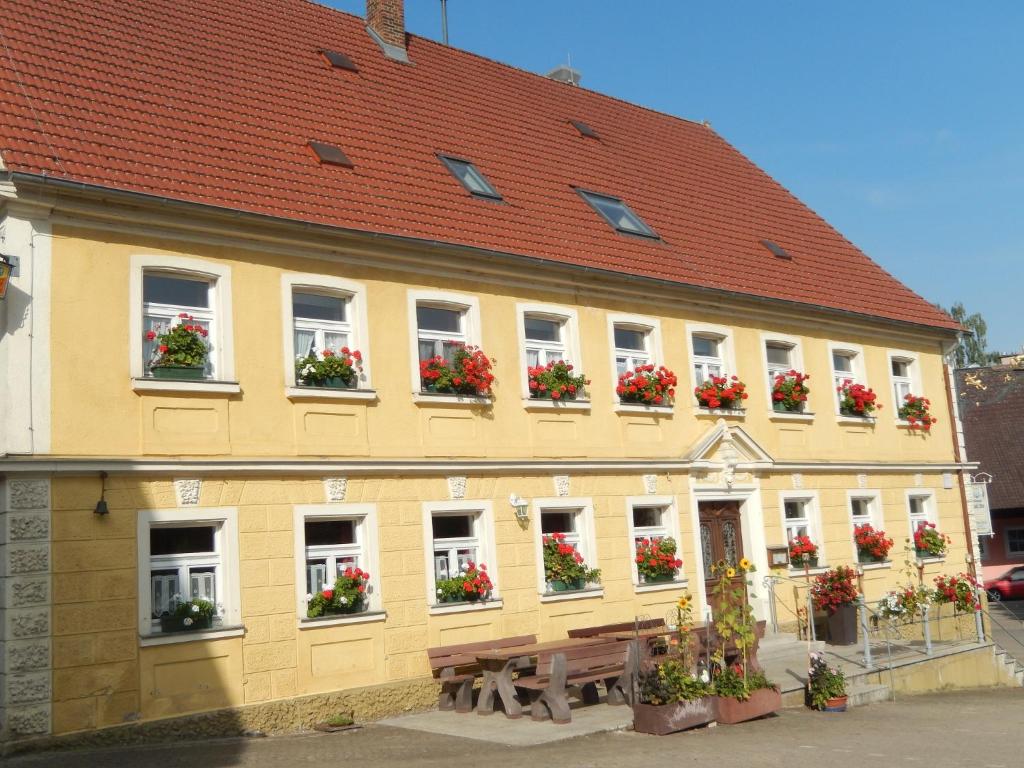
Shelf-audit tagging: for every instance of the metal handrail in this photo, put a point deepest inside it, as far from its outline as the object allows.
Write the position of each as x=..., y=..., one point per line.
x=769, y=581
x=1001, y=625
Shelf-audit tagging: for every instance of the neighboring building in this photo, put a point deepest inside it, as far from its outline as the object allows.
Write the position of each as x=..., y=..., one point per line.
x=991, y=404
x=287, y=179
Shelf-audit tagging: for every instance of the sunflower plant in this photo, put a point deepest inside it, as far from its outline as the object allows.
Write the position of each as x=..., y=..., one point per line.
x=734, y=618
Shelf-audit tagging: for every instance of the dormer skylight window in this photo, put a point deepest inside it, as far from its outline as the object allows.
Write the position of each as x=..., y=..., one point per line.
x=584, y=129
x=470, y=177
x=777, y=250
x=618, y=214
x=340, y=60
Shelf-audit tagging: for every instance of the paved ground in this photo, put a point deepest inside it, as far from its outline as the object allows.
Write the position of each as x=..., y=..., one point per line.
x=1008, y=627
x=977, y=728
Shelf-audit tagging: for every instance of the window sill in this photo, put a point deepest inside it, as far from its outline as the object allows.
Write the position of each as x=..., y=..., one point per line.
x=533, y=404
x=903, y=424
x=654, y=410
x=170, y=638
x=790, y=416
x=366, y=617
x=577, y=594
x=441, y=609
x=810, y=571
x=431, y=398
x=931, y=559
x=661, y=586
x=326, y=393
x=184, y=385
x=735, y=413
x=868, y=421
x=876, y=566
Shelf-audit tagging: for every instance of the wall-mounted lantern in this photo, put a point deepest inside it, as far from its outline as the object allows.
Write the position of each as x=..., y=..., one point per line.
x=6, y=267
x=521, y=506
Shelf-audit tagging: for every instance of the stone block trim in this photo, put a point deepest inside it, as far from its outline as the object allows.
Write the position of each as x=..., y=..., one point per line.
x=26, y=678
x=187, y=492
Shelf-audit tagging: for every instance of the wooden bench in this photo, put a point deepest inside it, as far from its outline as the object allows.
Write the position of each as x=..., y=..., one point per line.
x=457, y=668
x=576, y=672
x=623, y=626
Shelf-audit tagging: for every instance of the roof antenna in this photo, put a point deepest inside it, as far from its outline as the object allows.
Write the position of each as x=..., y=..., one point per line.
x=444, y=21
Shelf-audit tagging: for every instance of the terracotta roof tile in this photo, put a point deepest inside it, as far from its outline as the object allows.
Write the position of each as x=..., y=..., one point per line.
x=215, y=102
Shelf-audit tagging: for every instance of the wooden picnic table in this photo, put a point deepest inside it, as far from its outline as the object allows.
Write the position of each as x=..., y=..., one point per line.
x=499, y=664
x=643, y=634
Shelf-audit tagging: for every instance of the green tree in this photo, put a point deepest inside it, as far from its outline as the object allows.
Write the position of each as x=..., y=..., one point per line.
x=972, y=348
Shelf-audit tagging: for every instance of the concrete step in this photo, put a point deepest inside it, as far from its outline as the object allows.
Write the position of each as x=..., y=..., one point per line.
x=778, y=648
x=867, y=693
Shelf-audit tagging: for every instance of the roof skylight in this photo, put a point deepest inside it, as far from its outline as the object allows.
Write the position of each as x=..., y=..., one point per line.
x=470, y=177
x=777, y=249
x=328, y=154
x=340, y=60
x=584, y=129
x=618, y=214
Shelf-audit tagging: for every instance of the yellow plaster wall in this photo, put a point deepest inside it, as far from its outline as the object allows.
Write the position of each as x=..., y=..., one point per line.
x=96, y=412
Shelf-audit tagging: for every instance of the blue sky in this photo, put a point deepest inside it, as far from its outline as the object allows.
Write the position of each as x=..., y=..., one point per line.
x=900, y=123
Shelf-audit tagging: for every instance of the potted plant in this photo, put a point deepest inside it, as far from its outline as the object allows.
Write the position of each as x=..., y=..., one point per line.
x=928, y=541
x=348, y=595
x=469, y=373
x=656, y=560
x=188, y=616
x=647, y=385
x=555, y=381
x=803, y=553
x=857, y=400
x=961, y=591
x=472, y=584
x=905, y=604
x=835, y=592
x=672, y=698
x=564, y=568
x=826, y=686
x=872, y=546
x=721, y=392
x=742, y=692
x=916, y=411
x=181, y=351
x=789, y=392
x=334, y=371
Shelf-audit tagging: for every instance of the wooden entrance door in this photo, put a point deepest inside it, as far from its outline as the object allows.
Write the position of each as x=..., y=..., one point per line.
x=720, y=539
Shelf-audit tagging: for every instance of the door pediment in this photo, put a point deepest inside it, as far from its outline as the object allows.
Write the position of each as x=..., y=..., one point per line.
x=729, y=447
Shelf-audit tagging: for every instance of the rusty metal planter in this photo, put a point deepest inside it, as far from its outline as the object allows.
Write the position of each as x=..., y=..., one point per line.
x=762, y=702
x=661, y=719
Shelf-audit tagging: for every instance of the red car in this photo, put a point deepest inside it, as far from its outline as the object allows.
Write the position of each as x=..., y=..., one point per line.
x=1007, y=586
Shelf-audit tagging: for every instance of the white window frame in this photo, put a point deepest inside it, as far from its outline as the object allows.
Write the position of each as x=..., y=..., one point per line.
x=669, y=528
x=226, y=537
x=465, y=303
x=1006, y=541
x=913, y=381
x=570, y=339
x=487, y=550
x=930, y=512
x=221, y=339
x=354, y=294
x=650, y=326
x=727, y=355
x=858, y=375
x=368, y=543
x=586, y=541
x=876, y=513
x=796, y=359
x=812, y=516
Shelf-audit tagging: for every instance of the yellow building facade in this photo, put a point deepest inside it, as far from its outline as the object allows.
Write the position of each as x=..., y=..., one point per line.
x=255, y=474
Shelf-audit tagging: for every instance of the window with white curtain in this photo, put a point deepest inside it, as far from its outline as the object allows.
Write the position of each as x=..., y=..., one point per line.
x=184, y=564
x=168, y=295
x=902, y=379
x=456, y=538
x=440, y=330
x=545, y=339
x=707, y=356
x=332, y=545
x=780, y=360
x=632, y=347
x=321, y=322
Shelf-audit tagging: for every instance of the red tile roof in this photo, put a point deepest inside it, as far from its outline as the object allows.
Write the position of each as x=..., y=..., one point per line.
x=215, y=102
x=992, y=411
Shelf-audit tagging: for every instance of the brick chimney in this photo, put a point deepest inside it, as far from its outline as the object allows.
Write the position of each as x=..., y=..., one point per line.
x=387, y=19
